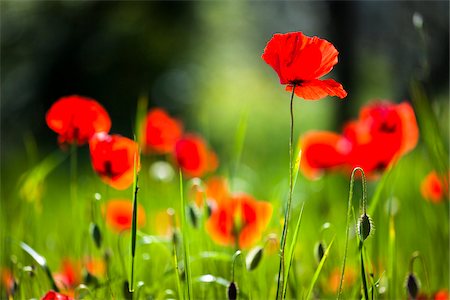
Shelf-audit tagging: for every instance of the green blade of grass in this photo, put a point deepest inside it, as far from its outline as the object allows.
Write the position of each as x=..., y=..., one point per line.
x=141, y=111
x=319, y=269
x=291, y=251
x=185, y=240
x=392, y=258
x=297, y=166
x=134, y=222
x=42, y=262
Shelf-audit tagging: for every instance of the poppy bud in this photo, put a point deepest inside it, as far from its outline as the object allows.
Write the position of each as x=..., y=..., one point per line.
x=254, y=257
x=412, y=285
x=95, y=234
x=126, y=291
x=319, y=251
x=232, y=291
x=193, y=215
x=365, y=226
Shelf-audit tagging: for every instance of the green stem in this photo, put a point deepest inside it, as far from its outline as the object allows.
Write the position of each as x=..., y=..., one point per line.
x=287, y=213
x=363, y=272
x=349, y=206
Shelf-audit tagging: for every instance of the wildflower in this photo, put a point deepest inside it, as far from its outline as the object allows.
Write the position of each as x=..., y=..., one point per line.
x=216, y=191
x=160, y=132
x=75, y=119
x=322, y=150
x=193, y=156
x=300, y=61
x=434, y=188
x=441, y=295
x=239, y=221
x=335, y=278
x=383, y=132
x=118, y=214
x=8, y=282
x=112, y=158
x=69, y=275
x=52, y=295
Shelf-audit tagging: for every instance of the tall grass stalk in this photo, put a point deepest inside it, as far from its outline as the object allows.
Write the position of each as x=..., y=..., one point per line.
x=134, y=222
x=318, y=270
x=291, y=251
x=287, y=213
x=184, y=231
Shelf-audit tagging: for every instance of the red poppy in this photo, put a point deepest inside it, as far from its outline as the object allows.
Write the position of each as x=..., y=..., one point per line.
x=441, y=295
x=301, y=60
x=52, y=295
x=160, y=131
x=69, y=275
x=8, y=282
x=76, y=119
x=434, y=187
x=322, y=150
x=112, y=158
x=383, y=132
x=193, y=156
x=240, y=217
x=119, y=214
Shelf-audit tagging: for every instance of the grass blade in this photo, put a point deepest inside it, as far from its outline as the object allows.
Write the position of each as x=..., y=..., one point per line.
x=291, y=251
x=318, y=270
x=42, y=262
x=141, y=111
x=134, y=222
x=187, y=269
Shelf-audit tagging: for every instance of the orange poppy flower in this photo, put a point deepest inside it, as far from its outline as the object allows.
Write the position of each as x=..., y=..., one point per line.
x=216, y=191
x=160, y=131
x=383, y=132
x=112, y=157
x=193, y=156
x=434, y=187
x=301, y=60
x=119, y=214
x=52, y=295
x=8, y=282
x=335, y=279
x=441, y=295
x=69, y=275
x=322, y=150
x=240, y=217
x=76, y=119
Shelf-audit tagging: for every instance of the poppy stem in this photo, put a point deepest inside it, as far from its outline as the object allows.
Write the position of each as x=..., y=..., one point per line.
x=287, y=213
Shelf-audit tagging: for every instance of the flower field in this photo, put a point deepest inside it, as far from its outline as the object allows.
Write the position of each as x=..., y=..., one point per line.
x=250, y=168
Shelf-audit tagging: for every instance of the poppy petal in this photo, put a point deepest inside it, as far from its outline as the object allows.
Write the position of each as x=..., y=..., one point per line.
x=161, y=131
x=118, y=214
x=409, y=127
x=322, y=150
x=318, y=89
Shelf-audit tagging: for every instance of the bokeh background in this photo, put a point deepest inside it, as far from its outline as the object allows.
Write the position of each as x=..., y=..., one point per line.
x=202, y=61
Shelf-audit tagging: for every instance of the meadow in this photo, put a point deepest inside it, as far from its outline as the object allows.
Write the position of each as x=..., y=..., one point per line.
x=268, y=199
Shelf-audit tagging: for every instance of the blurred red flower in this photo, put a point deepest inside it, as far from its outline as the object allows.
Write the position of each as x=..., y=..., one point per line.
x=301, y=60
x=322, y=150
x=8, y=282
x=52, y=295
x=383, y=132
x=160, y=132
x=193, y=156
x=69, y=275
x=76, y=119
x=112, y=157
x=441, y=295
x=434, y=187
x=240, y=217
x=119, y=212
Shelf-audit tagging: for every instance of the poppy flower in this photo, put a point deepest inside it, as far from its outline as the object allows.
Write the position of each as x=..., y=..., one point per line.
x=216, y=191
x=193, y=156
x=8, y=282
x=383, y=132
x=119, y=214
x=335, y=278
x=75, y=119
x=239, y=221
x=434, y=188
x=160, y=131
x=52, y=295
x=69, y=275
x=112, y=157
x=441, y=295
x=322, y=150
x=300, y=61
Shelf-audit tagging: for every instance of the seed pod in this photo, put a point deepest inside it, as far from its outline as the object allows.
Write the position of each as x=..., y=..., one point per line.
x=232, y=291
x=319, y=251
x=254, y=257
x=365, y=226
x=193, y=216
x=412, y=285
x=96, y=234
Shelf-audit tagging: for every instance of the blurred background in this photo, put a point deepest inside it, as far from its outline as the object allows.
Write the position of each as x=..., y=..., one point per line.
x=201, y=61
